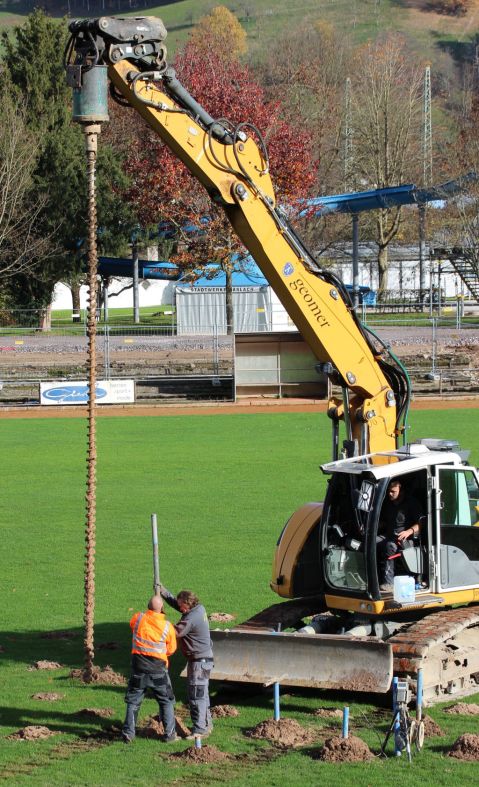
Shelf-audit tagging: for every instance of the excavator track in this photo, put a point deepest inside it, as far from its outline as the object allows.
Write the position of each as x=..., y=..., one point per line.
x=445, y=645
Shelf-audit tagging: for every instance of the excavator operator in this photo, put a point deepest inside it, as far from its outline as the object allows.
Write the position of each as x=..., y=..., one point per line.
x=399, y=523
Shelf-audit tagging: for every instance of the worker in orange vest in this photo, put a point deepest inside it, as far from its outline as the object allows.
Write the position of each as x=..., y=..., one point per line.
x=154, y=639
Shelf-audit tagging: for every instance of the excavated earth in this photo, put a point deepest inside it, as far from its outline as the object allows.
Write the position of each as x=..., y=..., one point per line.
x=466, y=748
x=284, y=732
x=351, y=749
x=463, y=709
x=207, y=754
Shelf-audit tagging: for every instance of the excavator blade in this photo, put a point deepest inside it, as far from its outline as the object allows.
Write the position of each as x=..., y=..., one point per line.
x=320, y=661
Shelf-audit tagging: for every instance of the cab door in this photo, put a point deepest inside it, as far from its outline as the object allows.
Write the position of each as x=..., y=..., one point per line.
x=457, y=523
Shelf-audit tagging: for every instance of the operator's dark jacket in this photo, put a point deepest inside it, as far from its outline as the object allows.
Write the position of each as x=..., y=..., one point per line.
x=192, y=630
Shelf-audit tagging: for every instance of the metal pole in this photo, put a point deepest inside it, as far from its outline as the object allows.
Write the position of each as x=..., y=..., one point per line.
x=397, y=725
x=355, y=260
x=136, y=306
x=156, y=562
x=422, y=246
x=105, y=299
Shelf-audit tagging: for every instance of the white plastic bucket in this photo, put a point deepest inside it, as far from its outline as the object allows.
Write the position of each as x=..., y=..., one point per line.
x=404, y=589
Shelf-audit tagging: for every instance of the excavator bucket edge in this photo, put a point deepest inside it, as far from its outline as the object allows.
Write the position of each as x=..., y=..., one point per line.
x=319, y=661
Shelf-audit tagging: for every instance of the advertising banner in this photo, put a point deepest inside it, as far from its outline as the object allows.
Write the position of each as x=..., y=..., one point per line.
x=106, y=392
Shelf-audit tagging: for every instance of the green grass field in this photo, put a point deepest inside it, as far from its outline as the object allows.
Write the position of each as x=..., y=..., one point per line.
x=222, y=487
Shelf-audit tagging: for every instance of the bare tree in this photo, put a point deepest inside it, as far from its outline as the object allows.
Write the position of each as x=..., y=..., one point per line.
x=20, y=245
x=386, y=114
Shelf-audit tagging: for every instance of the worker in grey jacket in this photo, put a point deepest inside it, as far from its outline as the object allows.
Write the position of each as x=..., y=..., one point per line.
x=193, y=633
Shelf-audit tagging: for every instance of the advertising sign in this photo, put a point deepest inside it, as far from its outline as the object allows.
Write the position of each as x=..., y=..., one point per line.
x=106, y=392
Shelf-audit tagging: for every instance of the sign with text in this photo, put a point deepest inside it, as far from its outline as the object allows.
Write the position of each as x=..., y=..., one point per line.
x=106, y=392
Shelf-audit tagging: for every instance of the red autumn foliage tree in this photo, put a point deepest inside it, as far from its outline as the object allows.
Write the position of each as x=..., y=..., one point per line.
x=164, y=189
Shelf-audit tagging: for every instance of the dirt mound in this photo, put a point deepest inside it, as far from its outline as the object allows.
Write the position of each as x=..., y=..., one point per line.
x=463, y=708
x=328, y=713
x=32, y=733
x=198, y=756
x=350, y=749
x=219, y=711
x=466, y=747
x=151, y=728
x=58, y=635
x=96, y=713
x=431, y=728
x=43, y=664
x=285, y=732
x=47, y=696
x=105, y=676
x=221, y=617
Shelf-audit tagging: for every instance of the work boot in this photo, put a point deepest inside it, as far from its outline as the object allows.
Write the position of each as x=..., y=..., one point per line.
x=170, y=738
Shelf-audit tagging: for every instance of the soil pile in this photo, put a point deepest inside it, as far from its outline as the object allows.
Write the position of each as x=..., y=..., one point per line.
x=466, y=747
x=206, y=754
x=284, y=732
x=96, y=713
x=220, y=711
x=106, y=676
x=328, y=713
x=58, y=635
x=152, y=728
x=431, y=728
x=32, y=733
x=47, y=696
x=463, y=708
x=350, y=749
x=43, y=664
x=221, y=617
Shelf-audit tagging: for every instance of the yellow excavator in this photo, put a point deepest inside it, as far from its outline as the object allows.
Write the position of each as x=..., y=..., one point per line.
x=357, y=636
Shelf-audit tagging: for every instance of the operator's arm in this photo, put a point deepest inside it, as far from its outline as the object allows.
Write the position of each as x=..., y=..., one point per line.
x=169, y=598
x=414, y=517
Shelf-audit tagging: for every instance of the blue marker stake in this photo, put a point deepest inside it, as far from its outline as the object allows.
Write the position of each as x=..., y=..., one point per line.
x=419, y=690
x=276, y=702
x=345, y=721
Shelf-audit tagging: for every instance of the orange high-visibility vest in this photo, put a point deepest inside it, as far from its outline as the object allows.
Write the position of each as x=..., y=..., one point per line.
x=153, y=635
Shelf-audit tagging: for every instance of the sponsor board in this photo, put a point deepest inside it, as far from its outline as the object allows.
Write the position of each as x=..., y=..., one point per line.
x=106, y=392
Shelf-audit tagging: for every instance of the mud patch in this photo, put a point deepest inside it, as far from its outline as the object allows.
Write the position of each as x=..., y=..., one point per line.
x=108, y=646
x=58, y=635
x=96, y=713
x=43, y=664
x=285, y=732
x=350, y=749
x=328, y=713
x=432, y=729
x=35, y=732
x=466, y=747
x=464, y=709
x=220, y=711
x=207, y=754
x=47, y=696
x=106, y=676
x=221, y=617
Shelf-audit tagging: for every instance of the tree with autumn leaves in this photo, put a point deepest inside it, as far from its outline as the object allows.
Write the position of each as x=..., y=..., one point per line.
x=209, y=66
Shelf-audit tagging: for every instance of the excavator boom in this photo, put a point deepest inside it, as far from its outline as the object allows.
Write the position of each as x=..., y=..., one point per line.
x=234, y=169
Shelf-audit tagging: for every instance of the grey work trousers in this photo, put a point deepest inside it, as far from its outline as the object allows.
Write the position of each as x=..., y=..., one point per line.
x=198, y=675
x=160, y=687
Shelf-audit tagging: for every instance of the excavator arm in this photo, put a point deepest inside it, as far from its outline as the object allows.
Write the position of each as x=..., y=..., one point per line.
x=233, y=168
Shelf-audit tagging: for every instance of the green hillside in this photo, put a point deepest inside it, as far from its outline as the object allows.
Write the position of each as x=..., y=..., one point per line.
x=431, y=36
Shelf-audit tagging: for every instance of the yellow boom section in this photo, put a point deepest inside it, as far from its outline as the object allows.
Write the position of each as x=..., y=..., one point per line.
x=316, y=307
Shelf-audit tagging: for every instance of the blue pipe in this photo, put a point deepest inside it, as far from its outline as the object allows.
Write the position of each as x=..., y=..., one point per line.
x=345, y=721
x=419, y=693
x=276, y=702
